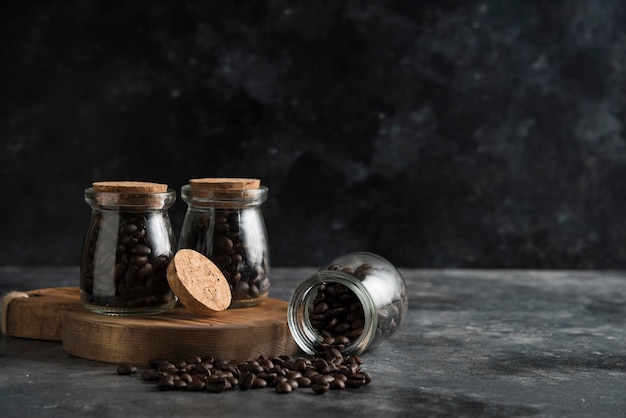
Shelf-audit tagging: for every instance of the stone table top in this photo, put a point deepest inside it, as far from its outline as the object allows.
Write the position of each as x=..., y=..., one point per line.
x=482, y=343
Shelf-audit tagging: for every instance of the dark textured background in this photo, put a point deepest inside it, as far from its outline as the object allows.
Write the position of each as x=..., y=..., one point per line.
x=436, y=133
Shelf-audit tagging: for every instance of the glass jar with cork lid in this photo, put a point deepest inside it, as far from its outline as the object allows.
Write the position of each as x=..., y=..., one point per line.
x=353, y=304
x=127, y=249
x=224, y=222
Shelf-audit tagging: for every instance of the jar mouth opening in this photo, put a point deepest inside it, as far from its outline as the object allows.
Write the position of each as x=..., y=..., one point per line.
x=207, y=197
x=307, y=336
x=129, y=201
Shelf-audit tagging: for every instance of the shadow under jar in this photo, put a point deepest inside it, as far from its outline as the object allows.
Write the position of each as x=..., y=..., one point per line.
x=353, y=304
x=227, y=226
x=127, y=248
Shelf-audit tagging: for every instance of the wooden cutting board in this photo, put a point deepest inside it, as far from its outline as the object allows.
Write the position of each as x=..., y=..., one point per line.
x=57, y=314
x=38, y=314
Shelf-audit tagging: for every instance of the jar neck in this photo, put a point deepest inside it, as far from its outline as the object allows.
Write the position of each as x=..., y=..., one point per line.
x=298, y=314
x=129, y=202
x=236, y=199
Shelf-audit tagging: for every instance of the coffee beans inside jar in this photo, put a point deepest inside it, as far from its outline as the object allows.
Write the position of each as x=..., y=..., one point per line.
x=128, y=246
x=353, y=304
x=224, y=222
x=284, y=374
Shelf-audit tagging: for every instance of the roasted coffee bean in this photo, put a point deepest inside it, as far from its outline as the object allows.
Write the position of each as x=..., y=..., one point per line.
x=337, y=384
x=126, y=369
x=278, y=380
x=166, y=366
x=246, y=380
x=340, y=376
x=196, y=385
x=203, y=368
x=304, y=382
x=180, y=384
x=194, y=360
x=186, y=377
x=232, y=380
x=320, y=388
x=293, y=374
x=283, y=387
x=322, y=378
x=368, y=377
x=356, y=380
x=165, y=384
x=216, y=384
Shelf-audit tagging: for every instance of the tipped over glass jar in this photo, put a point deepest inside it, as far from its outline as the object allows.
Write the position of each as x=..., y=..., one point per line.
x=353, y=304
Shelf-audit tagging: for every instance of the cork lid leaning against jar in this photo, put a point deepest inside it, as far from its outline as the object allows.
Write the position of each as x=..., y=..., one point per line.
x=224, y=222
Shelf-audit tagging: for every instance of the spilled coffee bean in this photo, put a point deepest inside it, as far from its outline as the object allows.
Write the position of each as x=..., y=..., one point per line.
x=324, y=371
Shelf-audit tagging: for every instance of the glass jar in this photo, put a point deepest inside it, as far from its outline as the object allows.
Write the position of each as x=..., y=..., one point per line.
x=353, y=304
x=127, y=248
x=225, y=223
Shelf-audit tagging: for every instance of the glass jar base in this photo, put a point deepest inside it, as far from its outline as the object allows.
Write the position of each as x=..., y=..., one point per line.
x=246, y=303
x=112, y=311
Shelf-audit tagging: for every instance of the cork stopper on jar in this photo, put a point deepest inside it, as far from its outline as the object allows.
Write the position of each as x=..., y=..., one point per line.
x=198, y=283
x=129, y=193
x=224, y=184
x=224, y=188
x=137, y=187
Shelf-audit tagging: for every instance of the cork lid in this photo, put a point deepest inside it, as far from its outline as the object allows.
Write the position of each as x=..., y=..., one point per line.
x=224, y=184
x=198, y=283
x=136, y=187
x=131, y=194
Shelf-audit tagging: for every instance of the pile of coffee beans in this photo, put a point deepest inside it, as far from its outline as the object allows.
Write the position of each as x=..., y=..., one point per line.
x=130, y=275
x=337, y=314
x=235, y=251
x=320, y=373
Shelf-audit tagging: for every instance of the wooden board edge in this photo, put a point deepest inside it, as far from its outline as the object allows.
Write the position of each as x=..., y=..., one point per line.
x=38, y=314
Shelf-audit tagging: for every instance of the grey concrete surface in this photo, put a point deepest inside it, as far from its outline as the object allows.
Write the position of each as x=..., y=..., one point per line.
x=474, y=343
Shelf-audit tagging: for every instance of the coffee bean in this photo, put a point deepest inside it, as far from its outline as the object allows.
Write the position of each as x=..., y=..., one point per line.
x=258, y=383
x=141, y=249
x=180, y=384
x=194, y=360
x=322, y=378
x=216, y=384
x=165, y=384
x=320, y=388
x=186, y=377
x=246, y=381
x=356, y=380
x=283, y=387
x=126, y=369
x=224, y=243
x=196, y=385
x=337, y=384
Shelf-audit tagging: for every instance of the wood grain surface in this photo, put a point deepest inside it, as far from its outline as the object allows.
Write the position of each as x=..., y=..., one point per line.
x=179, y=333
x=39, y=315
